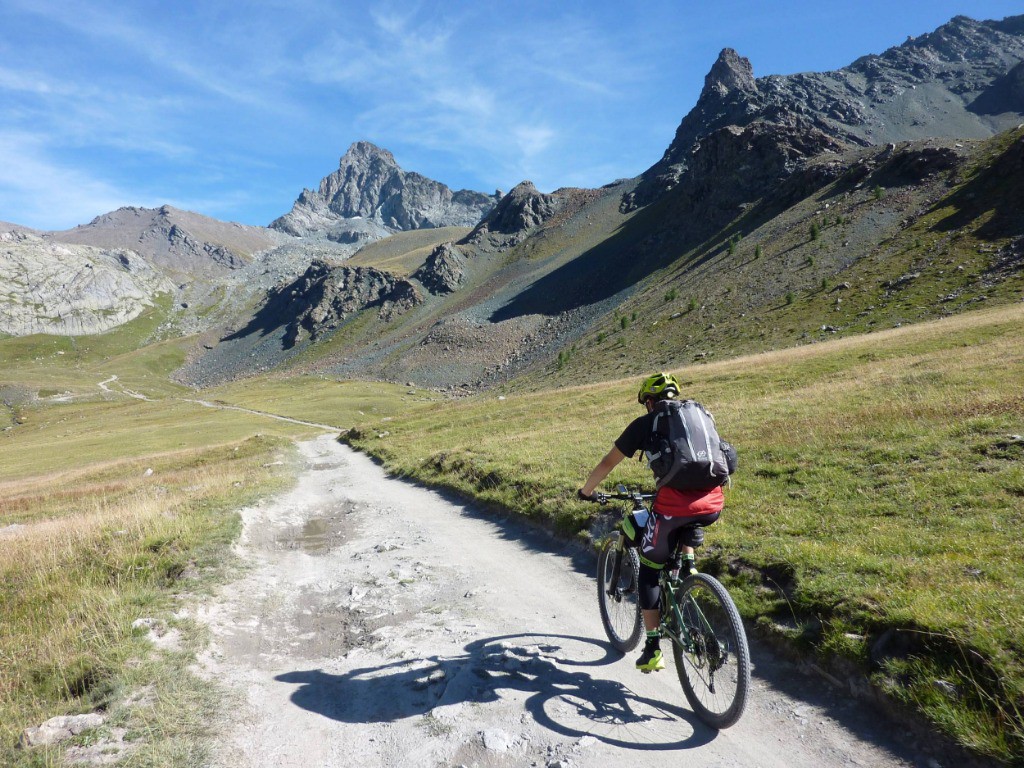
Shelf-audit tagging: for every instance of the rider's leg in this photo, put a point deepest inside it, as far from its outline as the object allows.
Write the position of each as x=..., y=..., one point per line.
x=689, y=564
x=651, y=660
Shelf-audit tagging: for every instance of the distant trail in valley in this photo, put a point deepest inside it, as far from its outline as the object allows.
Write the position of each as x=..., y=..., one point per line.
x=208, y=404
x=122, y=390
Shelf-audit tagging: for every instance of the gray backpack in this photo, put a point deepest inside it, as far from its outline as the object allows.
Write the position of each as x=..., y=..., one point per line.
x=684, y=450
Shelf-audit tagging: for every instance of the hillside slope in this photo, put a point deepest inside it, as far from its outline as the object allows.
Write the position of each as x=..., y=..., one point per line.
x=774, y=218
x=862, y=242
x=854, y=242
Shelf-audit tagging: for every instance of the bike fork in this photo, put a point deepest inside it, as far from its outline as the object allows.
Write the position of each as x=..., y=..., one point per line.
x=616, y=572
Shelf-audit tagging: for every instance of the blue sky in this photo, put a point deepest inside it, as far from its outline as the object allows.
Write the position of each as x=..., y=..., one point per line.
x=231, y=108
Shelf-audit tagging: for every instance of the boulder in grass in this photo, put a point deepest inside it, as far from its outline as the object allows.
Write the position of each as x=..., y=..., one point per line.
x=58, y=729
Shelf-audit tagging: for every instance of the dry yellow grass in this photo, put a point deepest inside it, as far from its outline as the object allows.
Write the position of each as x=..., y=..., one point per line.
x=106, y=545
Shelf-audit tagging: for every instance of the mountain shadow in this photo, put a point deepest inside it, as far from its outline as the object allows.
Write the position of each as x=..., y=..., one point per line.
x=277, y=317
x=1005, y=95
x=998, y=188
x=624, y=259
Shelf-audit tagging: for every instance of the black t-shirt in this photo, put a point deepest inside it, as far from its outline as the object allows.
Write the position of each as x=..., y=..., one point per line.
x=635, y=435
x=670, y=501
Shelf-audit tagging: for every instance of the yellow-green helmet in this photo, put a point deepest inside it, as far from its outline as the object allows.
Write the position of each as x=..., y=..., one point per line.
x=659, y=386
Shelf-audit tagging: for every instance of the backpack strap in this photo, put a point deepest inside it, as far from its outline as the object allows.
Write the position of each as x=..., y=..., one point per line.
x=653, y=457
x=676, y=466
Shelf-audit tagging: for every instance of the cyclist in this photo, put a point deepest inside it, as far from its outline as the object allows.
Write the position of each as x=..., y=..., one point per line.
x=670, y=511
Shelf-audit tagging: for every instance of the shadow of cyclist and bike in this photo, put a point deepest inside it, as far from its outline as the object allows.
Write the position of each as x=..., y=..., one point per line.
x=555, y=674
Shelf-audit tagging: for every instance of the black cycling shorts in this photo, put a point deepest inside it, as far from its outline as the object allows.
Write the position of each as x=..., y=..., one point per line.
x=661, y=534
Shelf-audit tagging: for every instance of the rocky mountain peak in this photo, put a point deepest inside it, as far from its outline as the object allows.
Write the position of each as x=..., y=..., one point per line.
x=731, y=72
x=173, y=240
x=370, y=196
x=363, y=152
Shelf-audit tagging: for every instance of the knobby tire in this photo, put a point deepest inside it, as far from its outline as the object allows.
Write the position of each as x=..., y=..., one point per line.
x=619, y=598
x=715, y=672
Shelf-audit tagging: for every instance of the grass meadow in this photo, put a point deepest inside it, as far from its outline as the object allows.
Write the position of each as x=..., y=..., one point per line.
x=875, y=518
x=876, y=515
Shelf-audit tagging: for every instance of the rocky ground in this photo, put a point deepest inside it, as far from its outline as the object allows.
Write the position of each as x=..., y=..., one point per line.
x=70, y=290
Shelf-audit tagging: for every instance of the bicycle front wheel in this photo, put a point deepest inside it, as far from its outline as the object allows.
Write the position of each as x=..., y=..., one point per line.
x=714, y=665
x=618, y=578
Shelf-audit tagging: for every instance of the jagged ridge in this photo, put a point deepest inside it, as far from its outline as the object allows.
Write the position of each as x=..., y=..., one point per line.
x=965, y=80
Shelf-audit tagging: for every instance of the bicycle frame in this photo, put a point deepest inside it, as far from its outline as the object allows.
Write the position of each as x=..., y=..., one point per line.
x=671, y=612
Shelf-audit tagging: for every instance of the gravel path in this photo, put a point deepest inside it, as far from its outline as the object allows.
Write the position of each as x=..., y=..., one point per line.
x=382, y=625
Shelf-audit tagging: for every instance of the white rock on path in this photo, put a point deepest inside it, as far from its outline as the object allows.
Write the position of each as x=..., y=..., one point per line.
x=497, y=740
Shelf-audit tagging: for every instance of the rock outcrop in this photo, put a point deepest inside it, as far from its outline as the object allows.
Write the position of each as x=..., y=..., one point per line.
x=319, y=300
x=71, y=290
x=370, y=196
x=962, y=81
x=514, y=217
x=735, y=165
x=443, y=271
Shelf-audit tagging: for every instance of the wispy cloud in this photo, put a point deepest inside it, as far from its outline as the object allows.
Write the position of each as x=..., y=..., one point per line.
x=220, y=67
x=508, y=101
x=37, y=191
x=155, y=105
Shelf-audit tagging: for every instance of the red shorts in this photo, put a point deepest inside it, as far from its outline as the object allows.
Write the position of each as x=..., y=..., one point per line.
x=675, y=503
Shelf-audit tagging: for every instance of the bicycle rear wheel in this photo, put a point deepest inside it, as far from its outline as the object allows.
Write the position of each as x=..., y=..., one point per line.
x=715, y=669
x=618, y=577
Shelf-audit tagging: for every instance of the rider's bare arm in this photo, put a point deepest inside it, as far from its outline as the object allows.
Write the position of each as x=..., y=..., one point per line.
x=600, y=472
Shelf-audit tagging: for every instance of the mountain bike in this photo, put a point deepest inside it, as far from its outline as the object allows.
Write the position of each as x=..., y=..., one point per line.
x=709, y=644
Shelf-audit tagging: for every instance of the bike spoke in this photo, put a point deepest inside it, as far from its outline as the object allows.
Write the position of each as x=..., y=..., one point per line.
x=714, y=666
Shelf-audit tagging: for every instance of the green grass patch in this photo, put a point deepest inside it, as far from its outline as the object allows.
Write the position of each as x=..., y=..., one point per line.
x=75, y=365
x=880, y=489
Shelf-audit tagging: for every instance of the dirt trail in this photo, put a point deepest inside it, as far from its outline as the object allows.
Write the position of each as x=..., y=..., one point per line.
x=382, y=625
x=265, y=414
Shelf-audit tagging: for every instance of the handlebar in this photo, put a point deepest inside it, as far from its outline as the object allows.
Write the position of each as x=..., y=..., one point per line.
x=621, y=494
